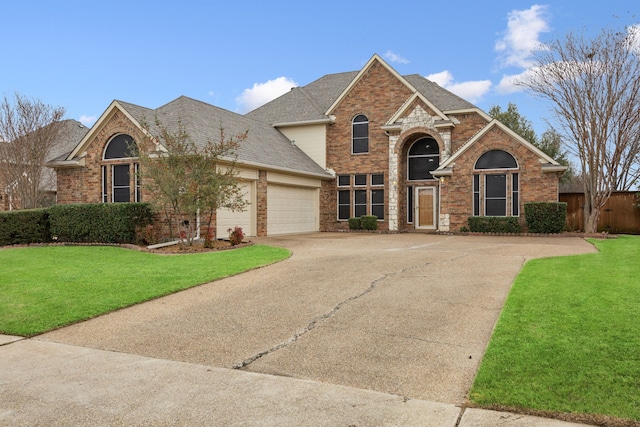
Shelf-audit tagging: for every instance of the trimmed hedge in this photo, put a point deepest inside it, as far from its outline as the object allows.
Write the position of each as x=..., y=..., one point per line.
x=494, y=224
x=545, y=217
x=364, y=222
x=24, y=227
x=99, y=222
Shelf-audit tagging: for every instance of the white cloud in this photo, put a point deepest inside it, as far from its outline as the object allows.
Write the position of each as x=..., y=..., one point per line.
x=393, y=57
x=88, y=121
x=522, y=36
x=471, y=91
x=261, y=93
x=508, y=83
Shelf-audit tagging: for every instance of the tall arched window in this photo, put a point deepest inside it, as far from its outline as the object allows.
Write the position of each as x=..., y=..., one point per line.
x=496, y=189
x=360, y=134
x=423, y=158
x=119, y=176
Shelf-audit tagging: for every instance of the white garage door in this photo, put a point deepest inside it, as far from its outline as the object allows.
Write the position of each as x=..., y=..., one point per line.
x=291, y=209
x=226, y=219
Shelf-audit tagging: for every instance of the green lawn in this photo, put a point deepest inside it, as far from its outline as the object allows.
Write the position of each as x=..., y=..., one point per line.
x=568, y=338
x=43, y=288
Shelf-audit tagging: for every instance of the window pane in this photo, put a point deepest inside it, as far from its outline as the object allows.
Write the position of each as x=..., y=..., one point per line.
x=515, y=196
x=496, y=186
x=378, y=210
x=361, y=145
x=377, y=197
x=476, y=195
x=496, y=159
x=121, y=194
x=496, y=207
x=360, y=197
x=377, y=179
x=421, y=167
x=424, y=146
x=360, y=179
x=360, y=130
x=121, y=175
x=410, y=204
x=360, y=203
x=344, y=180
x=121, y=146
x=343, y=197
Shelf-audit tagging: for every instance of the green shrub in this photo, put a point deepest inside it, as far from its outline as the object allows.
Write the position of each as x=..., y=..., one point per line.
x=24, y=227
x=369, y=222
x=494, y=224
x=545, y=217
x=99, y=222
x=355, y=223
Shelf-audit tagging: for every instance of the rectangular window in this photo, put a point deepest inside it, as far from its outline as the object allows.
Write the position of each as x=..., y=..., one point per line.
x=121, y=190
x=377, y=203
x=344, y=204
x=136, y=167
x=344, y=180
x=377, y=179
x=476, y=195
x=104, y=185
x=410, y=204
x=495, y=188
x=360, y=180
x=515, y=195
x=359, y=203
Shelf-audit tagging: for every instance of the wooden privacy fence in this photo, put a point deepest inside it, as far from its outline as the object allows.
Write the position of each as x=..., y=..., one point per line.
x=618, y=216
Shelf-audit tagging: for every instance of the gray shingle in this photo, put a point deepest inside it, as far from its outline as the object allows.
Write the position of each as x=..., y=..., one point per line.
x=264, y=145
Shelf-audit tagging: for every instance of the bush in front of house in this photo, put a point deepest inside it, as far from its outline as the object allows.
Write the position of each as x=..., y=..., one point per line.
x=99, y=222
x=355, y=224
x=24, y=227
x=545, y=217
x=494, y=224
x=369, y=222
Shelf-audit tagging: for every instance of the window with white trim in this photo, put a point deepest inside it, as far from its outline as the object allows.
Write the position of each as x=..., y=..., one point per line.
x=120, y=170
x=496, y=190
x=360, y=194
x=360, y=134
x=422, y=159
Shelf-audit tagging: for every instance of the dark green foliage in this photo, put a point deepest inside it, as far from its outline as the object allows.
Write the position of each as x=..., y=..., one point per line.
x=547, y=217
x=369, y=222
x=99, y=223
x=24, y=227
x=355, y=224
x=494, y=224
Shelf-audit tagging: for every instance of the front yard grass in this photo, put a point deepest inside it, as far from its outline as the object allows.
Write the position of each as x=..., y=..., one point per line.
x=568, y=338
x=43, y=288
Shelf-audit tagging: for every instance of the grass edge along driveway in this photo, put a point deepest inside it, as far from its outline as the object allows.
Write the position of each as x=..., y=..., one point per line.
x=567, y=340
x=44, y=288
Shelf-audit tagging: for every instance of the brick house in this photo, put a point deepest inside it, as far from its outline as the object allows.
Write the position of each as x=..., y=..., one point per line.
x=349, y=144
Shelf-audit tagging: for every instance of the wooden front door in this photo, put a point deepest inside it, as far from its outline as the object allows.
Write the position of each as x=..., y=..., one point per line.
x=426, y=207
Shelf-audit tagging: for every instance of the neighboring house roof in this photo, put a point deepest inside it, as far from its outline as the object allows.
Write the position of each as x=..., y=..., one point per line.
x=71, y=134
x=263, y=147
x=313, y=101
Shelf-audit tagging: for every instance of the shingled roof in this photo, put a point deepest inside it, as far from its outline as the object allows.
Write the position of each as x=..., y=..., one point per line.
x=264, y=145
x=311, y=102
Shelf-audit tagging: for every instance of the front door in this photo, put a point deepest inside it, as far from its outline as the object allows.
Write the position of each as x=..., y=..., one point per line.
x=426, y=207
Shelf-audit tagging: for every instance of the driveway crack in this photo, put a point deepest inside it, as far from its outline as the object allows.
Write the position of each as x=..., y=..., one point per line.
x=315, y=321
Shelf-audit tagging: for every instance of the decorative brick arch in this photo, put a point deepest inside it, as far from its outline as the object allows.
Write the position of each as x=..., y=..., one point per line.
x=413, y=134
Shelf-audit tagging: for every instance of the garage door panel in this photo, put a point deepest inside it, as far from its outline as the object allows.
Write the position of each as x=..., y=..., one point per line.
x=291, y=209
x=226, y=219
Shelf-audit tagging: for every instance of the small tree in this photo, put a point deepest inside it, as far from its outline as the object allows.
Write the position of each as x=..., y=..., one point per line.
x=594, y=89
x=29, y=130
x=190, y=182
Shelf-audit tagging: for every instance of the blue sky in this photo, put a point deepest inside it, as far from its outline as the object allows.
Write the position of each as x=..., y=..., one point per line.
x=81, y=55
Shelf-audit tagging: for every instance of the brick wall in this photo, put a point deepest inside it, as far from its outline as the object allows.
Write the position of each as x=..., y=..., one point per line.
x=377, y=95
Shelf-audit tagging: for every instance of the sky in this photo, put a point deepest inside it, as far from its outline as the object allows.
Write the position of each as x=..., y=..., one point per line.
x=240, y=54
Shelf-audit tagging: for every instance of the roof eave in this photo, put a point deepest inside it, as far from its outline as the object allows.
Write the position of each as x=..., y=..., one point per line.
x=324, y=121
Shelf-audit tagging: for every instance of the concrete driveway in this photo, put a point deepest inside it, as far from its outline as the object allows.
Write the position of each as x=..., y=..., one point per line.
x=408, y=315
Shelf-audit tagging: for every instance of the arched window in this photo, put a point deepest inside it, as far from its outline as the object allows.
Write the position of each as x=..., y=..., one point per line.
x=423, y=158
x=121, y=147
x=495, y=185
x=117, y=177
x=360, y=134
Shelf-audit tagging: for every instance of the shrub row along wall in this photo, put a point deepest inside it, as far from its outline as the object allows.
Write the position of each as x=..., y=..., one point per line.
x=81, y=223
x=544, y=217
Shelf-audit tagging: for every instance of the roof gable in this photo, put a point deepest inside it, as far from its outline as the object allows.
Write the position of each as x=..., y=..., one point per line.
x=495, y=123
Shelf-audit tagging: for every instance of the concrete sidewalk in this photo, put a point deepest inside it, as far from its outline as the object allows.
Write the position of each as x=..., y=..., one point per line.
x=51, y=384
x=353, y=329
